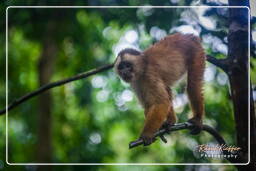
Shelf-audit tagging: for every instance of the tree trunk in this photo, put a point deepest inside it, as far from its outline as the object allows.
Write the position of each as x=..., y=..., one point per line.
x=45, y=67
x=238, y=76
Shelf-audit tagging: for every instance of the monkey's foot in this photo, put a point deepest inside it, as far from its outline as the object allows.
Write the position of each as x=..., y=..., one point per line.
x=147, y=140
x=197, y=122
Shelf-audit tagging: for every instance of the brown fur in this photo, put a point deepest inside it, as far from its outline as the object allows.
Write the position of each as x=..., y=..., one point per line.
x=159, y=67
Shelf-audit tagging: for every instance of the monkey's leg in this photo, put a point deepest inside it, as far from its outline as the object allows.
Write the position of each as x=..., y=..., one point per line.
x=171, y=117
x=155, y=117
x=194, y=89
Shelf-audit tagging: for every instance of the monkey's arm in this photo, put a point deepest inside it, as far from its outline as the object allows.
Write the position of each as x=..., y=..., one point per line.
x=155, y=116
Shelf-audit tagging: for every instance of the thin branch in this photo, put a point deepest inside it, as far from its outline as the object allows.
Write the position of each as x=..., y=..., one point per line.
x=187, y=125
x=221, y=63
x=177, y=127
x=55, y=84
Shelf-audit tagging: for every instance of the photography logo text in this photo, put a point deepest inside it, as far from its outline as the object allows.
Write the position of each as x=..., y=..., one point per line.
x=217, y=151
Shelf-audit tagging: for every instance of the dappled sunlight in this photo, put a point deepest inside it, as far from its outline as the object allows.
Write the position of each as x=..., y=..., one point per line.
x=185, y=29
x=157, y=33
x=129, y=39
x=17, y=127
x=209, y=73
x=119, y=101
x=122, y=45
x=95, y=138
x=127, y=95
x=215, y=44
x=122, y=98
x=179, y=102
x=207, y=22
x=99, y=81
x=222, y=78
x=19, y=131
x=131, y=36
x=102, y=95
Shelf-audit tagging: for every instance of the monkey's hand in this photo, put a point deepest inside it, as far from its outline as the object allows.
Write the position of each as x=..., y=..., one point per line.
x=197, y=122
x=147, y=139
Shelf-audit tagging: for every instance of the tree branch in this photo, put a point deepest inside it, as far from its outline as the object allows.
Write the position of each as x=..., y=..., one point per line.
x=222, y=63
x=55, y=84
x=187, y=125
x=177, y=127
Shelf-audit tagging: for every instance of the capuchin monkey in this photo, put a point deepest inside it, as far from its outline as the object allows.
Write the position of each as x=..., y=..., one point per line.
x=151, y=74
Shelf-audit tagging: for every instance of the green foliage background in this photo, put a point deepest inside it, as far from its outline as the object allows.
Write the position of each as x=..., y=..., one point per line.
x=95, y=119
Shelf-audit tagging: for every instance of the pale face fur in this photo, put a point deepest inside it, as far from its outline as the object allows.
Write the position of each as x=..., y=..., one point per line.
x=128, y=67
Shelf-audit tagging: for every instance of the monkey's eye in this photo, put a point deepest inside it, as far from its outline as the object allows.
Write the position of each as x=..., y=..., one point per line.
x=124, y=65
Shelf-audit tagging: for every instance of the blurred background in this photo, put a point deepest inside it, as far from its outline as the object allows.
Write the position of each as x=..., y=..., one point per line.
x=94, y=119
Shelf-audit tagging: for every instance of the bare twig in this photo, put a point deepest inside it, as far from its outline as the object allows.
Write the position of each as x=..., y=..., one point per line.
x=55, y=84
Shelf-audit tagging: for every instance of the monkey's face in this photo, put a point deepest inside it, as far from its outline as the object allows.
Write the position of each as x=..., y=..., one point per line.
x=127, y=64
x=125, y=70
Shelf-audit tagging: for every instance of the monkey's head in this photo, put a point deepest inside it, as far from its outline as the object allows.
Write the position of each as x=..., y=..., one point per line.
x=128, y=64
